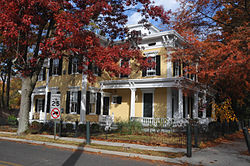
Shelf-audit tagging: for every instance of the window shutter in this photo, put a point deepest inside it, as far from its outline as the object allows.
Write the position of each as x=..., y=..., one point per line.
x=50, y=67
x=87, y=102
x=99, y=72
x=158, y=65
x=144, y=70
x=36, y=106
x=70, y=65
x=43, y=105
x=60, y=66
x=119, y=100
x=79, y=102
x=179, y=68
x=48, y=102
x=90, y=67
x=67, y=102
x=44, y=73
x=98, y=104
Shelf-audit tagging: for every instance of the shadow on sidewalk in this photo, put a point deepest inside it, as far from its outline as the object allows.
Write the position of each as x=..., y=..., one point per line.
x=71, y=161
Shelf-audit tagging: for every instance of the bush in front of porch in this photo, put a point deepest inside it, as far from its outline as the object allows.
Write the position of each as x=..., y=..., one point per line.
x=129, y=127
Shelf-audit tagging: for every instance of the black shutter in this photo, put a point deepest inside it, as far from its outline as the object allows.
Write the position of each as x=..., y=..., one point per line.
x=44, y=73
x=79, y=102
x=99, y=72
x=43, y=105
x=144, y=70
x=119, y=100
x=48, y=102
x=36, y=106
x=158, y=65
x=98, y=104
x=179, y=68
x=50, y=67
x=87, y=102
x=70, y=65
x=67, y=102
x=90, y=66
x=60, y=66
x=174, y=64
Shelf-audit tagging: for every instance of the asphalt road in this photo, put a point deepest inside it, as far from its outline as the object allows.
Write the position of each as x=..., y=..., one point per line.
x=17, y=154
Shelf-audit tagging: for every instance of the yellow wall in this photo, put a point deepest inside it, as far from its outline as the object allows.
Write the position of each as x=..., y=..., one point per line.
x=160, y=102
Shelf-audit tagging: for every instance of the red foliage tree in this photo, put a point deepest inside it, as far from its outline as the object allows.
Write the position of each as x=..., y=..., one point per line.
x=32, y=30
x=217, y=35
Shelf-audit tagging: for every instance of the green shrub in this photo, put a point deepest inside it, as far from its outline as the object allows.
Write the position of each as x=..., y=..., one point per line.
x=129, y=127
x=69, y=127
x=35, y=127
x=95, y=128
x=12, y=120
x=82, y=128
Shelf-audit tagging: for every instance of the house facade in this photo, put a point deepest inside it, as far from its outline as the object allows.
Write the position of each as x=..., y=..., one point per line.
x=162, y=92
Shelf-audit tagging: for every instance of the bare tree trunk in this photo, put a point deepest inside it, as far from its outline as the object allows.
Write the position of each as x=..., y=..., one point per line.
x=9, y=68
x=3, y=77
x=28, y=84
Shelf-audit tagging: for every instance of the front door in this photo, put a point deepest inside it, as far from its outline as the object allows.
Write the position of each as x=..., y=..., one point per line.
x=148, y=105
x=105, y=105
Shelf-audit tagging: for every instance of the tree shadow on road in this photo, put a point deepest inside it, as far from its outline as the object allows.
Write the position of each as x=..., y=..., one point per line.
x=71, y=161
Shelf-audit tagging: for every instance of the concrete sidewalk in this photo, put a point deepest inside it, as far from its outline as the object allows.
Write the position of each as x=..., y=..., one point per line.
x=225, y=154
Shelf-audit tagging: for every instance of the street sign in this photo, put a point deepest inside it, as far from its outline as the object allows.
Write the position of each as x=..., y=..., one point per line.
x=55, y=106
x=55, y=113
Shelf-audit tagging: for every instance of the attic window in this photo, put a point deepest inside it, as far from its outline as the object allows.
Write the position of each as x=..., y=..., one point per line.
x=151, y=44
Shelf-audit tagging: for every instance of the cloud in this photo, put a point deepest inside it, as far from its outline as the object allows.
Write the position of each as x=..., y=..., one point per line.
x=133, y=18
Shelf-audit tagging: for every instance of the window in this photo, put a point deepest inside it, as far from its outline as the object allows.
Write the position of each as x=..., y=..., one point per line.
x=93, y=103
x=41, y=76
x=73, y=102
x=154, y=70
x=116, y=99
x=73, y=67
x=39, y=105
x=55, y=67
x=176, y=69
x=94, y=69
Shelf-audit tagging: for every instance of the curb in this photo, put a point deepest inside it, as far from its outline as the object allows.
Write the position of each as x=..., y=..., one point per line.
x=141, y=156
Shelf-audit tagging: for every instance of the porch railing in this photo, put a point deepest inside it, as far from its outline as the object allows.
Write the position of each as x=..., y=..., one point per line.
x=167, y=122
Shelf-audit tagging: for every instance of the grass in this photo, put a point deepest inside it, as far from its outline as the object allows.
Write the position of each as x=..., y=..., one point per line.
x=159, y=139
x=97, y=146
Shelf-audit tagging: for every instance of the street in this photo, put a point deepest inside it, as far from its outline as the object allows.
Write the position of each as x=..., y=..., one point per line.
x=17, y=154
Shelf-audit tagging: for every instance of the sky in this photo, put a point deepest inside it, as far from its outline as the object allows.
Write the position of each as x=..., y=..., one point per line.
x=134, y=17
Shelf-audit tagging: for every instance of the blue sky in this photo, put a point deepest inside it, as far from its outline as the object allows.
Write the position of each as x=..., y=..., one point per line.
x=134, y=17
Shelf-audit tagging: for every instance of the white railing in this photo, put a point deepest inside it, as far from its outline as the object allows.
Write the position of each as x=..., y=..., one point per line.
x=167, y=122
x=106, y=120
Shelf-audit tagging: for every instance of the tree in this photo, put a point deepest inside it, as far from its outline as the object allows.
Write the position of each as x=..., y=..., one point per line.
x=216, y=34
x=33, y=30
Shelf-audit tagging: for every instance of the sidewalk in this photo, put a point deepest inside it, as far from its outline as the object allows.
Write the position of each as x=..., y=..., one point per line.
x=225, y=154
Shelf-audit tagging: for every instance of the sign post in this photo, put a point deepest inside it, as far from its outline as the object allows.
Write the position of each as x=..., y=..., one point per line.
x=55, y=109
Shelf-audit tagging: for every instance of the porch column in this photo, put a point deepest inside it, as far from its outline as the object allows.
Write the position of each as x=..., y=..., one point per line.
x=83, y=99
x=32, y=107
x=132, y=102
x=195, y=107
x=180, y=103
x=46, y=94
x=169, y=103
x=101, y=102
x=204, y=103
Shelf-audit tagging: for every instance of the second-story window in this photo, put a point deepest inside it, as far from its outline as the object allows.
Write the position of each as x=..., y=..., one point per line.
x=94, y=69
x=153, y=70
x=55, y=67
x=42, y=74
x=176, y=68
x=73, y=67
